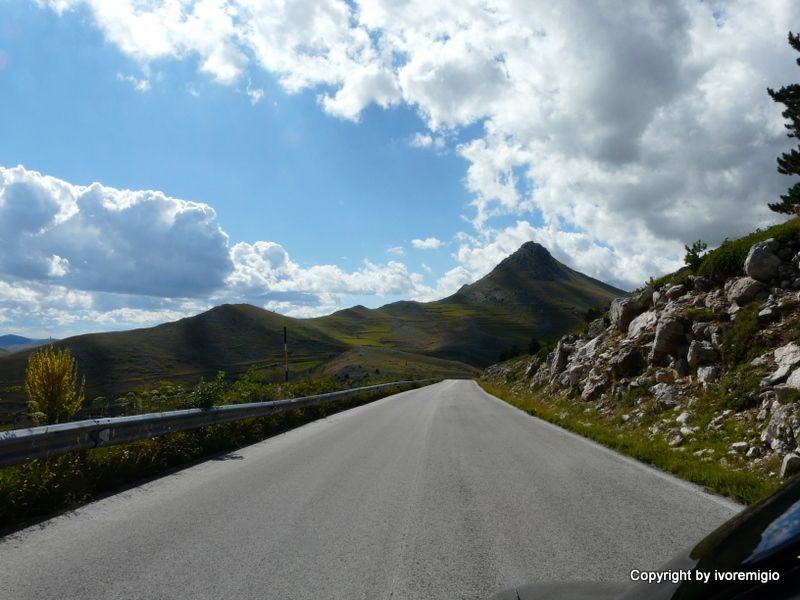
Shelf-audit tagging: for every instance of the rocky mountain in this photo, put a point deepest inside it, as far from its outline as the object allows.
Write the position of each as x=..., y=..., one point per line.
x=529, y=294
x=707, y=364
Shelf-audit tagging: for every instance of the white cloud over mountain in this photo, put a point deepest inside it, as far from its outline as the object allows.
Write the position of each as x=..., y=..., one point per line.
x=625, y=129
x=95, y=255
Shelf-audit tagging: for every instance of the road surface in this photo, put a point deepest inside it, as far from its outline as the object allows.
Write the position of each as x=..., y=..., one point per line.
x=438, y=493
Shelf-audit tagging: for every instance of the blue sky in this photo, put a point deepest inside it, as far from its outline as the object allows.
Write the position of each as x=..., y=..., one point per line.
x=311, y=157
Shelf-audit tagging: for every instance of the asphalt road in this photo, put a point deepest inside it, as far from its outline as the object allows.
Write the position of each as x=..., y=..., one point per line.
x=439, y=493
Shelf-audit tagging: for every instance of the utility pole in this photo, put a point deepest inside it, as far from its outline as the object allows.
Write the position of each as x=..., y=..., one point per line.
x=285, y=355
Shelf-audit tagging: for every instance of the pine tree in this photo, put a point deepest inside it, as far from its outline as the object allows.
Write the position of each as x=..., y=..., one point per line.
x=789, y=162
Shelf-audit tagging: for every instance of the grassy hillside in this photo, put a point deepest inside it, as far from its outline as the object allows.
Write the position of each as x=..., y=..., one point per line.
x=366, y=362
x=529, y=294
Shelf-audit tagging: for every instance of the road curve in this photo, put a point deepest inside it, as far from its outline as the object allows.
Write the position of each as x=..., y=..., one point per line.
x=441, y=492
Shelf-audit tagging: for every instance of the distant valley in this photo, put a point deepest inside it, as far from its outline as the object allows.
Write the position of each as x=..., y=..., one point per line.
x=528, y=295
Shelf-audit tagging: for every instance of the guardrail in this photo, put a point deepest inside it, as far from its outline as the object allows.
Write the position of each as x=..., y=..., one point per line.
x=21, y=445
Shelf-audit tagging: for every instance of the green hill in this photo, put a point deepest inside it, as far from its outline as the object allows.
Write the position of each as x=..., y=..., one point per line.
x=529, y=294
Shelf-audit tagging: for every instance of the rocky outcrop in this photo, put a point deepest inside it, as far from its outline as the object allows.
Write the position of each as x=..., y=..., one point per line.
x=663, y=347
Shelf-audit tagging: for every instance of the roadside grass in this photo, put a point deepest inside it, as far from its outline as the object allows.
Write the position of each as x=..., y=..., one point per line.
x=43, y=488
x=611, y=431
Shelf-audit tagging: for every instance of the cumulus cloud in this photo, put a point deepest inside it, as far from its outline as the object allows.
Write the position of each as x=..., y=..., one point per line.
x=430, y=243
x=628, y=129
x=264, y=270
x=85, y=258
x=97, y=238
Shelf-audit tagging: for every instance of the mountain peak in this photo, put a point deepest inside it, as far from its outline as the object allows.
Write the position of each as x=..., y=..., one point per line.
x=532, y=260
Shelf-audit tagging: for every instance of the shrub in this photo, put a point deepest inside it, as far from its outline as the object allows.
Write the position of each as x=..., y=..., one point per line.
x=740, y=340
x=51, y=383
x=207, y=394
x=699, y=314
x=728, y=259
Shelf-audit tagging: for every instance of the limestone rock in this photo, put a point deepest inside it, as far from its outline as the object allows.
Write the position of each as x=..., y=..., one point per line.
x=742, y=290
x=596, y=327
x=700, y=330
x=794, y=380
x=595, y=385
x=669, y=338
x=740, y=447
x=560, y=357
x=676, y=291
x=664, y=394
x=588, y=350
x=645, y=297
x=761, y=262
x=787, y=355
x=783, y=430
x=643, y=323
x=576, y=374
x=790, y=465
x=708, y=374
x=627, y=361
x=623, y=311
x=701, y=353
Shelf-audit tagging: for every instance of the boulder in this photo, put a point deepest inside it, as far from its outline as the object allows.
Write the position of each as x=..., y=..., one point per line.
x=643, y=323
x=670, y=337
x=628, y=361
x=645, y=297
x=740, y=447
x=701, y=353
x=716, y=300
x=790, y=465
x=754, y=452
x=794, y=380
x=787, y=355
x=596, y=327
x=595, y=385
x=708, y=375
x=588, y=350
x=674, y=437
x=783, y=430
x=779, y=376
x=761, y=262
x=623, y=311
x=742, y=290
x=700, y=330
x=577, y=373
x=676, y=291
x=560, y=357
x=664, y=394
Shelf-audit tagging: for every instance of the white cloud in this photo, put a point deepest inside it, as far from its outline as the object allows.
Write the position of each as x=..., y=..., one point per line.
x=430, y=243
x=141, y=85
x=425, y=140
x=97, y=238
x=264, y=270
x=629, y=127
x=398, y=250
